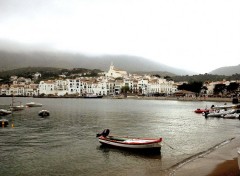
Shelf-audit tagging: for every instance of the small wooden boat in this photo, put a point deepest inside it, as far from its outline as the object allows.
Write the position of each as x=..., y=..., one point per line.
x=33, y=104
x=3, y=122
x=44, y=113
x=4, y=112
x=129, y=143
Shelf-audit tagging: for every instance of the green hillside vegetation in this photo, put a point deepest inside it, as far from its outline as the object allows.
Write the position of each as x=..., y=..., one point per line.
x=53, y=73
x=205, y=77
x=47, y=73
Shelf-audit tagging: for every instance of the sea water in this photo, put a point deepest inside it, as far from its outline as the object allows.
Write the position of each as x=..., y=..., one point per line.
x=65, y=143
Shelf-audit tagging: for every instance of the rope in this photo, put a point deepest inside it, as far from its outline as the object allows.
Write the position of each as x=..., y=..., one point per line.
x=176, y=149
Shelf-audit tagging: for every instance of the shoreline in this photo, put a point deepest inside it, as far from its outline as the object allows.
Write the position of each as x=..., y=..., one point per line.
x=213, y=99
x=222, y=161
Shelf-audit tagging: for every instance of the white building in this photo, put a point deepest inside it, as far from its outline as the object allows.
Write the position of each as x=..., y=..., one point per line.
x=115, y=73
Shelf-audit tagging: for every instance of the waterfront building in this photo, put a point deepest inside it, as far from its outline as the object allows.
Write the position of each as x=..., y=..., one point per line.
x=47, y=87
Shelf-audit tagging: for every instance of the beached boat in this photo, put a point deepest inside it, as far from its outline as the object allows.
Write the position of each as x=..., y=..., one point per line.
x=4, y=112
x=3, y=122
x=129, y=143
x=33, y=104
x=44, y=113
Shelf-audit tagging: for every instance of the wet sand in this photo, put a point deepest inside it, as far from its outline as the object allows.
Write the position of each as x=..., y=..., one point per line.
x=219, y=162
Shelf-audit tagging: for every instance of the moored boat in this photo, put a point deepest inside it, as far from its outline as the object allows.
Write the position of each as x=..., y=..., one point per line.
x=17, y=108
x=92, y=96
x=219, y=113
x=4, y=112
x=129, y=143
x=44, y=113
x=199, y=110
x=33, y=104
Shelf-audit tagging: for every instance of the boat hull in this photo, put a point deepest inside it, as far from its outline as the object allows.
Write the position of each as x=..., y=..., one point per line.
x=136, y=144
x=44, y=113
x=32, y=104
x=17, y=108
x=4, y=112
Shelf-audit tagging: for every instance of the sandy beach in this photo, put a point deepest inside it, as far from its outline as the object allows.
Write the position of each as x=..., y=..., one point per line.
x=219, y=162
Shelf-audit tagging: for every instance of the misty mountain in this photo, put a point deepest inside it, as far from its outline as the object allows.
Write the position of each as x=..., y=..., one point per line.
x=228, y=71
x=19, y=59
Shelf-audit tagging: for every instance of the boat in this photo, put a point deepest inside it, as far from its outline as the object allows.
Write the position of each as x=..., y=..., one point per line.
x=3, y=122
x=4, y=112
x=219, y=113
x=92, y=96
x=33, y=104
x=13, y=107
x=17, y=107
x=44, y=113
x=201, y=110
x=235, y=115
x=129, y=143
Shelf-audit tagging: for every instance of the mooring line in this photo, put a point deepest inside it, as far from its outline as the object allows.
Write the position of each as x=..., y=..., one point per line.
x=176, y=149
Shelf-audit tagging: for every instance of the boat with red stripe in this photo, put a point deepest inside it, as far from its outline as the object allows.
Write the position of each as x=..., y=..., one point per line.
x=129, y=143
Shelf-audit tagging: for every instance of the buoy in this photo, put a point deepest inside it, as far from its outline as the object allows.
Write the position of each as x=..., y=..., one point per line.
x=12, y=125
x=3, y=124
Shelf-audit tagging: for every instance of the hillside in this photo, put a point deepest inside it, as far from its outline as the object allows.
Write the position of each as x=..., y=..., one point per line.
x=228, y=71
x=12, y=60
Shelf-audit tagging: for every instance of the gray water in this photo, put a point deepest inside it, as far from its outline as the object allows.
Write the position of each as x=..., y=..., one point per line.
x=65, y=143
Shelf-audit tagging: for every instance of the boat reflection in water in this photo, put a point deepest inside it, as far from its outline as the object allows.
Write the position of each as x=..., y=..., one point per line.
x=141, y=145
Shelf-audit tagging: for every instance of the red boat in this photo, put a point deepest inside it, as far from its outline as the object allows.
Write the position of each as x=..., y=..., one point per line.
x=201, y=110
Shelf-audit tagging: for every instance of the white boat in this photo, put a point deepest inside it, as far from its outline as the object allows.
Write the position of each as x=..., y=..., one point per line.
x=17, y=108
x=219, y=113
x=4, y=112
x=129, y=143
x=232, y=116
x=33, y=104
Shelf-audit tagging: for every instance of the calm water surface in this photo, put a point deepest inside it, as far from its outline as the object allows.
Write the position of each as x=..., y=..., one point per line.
x=65, y=143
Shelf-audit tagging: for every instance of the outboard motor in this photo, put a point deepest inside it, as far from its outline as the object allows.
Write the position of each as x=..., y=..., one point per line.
x=105, y=133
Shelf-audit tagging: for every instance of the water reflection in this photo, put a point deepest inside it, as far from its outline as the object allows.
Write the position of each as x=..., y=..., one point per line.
x=154, y=154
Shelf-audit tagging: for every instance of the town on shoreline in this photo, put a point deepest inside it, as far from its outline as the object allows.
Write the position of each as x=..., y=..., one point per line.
x=117, y=83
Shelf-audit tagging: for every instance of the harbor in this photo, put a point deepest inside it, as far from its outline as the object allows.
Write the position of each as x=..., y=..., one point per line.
x=65, y=143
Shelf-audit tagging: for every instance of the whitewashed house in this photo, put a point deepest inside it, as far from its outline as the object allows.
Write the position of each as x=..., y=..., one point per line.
x=47, y=87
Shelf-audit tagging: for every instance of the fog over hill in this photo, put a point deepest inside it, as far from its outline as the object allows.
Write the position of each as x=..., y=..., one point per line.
x=228, y=71
x=18, y=59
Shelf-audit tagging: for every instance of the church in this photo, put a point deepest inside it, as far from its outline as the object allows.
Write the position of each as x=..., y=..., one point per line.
x=115, y=73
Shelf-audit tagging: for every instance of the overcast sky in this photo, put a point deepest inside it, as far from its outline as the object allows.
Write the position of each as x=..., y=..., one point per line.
x=195, y=35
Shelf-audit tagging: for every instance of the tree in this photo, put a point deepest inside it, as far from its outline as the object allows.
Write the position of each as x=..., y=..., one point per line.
x=193, y=87
x=219, y=88
x=232, y=87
